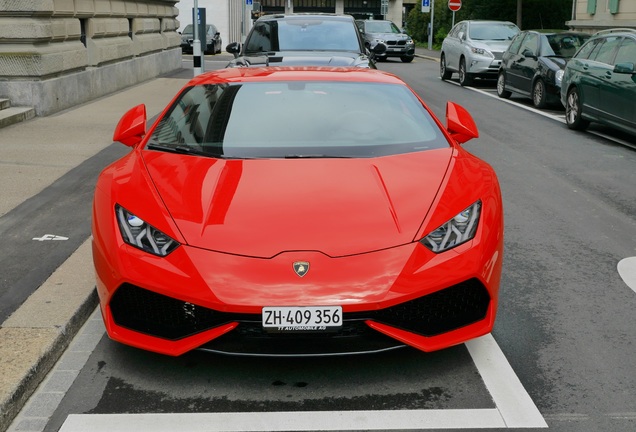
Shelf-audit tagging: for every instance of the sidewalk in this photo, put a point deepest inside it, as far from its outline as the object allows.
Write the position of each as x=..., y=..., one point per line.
x=427, y=54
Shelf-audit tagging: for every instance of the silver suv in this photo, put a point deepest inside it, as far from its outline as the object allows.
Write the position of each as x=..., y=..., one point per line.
x=474, y=48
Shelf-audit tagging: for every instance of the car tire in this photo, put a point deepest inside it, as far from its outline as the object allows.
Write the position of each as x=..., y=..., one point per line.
x=406, y=59
x=539, y=96
x=444, y=73
x=465, y=79
x=501, y=87
x=574, y=109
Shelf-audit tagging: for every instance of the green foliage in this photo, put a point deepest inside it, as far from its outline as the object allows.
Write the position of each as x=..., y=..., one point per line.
x=536, y=14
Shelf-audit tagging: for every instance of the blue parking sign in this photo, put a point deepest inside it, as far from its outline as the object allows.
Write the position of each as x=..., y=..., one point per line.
x=248, y=2
x=426, y=6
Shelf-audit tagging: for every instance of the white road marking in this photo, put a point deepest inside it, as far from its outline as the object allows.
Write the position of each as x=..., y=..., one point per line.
x=514, y=409
x=627, y=269
x=557, y=117
x=513, y=402
x=48, y=237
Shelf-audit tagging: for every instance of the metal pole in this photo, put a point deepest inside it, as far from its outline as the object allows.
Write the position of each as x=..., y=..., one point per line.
x=430, y=33
x=196, y=43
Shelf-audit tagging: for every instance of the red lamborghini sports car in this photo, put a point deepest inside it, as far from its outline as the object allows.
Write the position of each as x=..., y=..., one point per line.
x=297, y=211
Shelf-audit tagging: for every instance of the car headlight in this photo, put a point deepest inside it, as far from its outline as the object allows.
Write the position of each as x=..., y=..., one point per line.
x=377, y=41
x=456, y=231
x=481, y=51
x=141, y=235
x=409, y=42
x=558, y=77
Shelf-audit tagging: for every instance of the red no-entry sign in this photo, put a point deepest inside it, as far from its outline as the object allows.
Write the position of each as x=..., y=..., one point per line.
x=454, y=5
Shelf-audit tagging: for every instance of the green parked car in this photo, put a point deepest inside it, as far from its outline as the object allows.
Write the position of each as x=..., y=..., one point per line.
x=599, y=82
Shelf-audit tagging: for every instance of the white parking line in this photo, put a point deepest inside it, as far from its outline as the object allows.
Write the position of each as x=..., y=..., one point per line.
x=513, y=409
x=557, y=117
x=627, y=269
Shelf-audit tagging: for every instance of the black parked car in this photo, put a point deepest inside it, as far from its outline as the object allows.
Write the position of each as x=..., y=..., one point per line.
x=304, y=40
x=213, y=39
x=533, y=64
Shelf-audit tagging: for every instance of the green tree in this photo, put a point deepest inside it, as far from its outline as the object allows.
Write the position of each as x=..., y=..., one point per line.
x=535, y=14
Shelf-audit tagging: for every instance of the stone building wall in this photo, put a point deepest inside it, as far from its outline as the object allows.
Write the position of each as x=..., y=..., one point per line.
x=55, y=54
x=593, y=15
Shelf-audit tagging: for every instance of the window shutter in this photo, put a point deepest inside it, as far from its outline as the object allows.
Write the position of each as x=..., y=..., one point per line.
x=591, y=7
x=613, y=6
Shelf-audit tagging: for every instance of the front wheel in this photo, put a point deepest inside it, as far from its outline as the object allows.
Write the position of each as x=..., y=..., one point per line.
x=444, y=73
x=573, y=110
x=501, y=87
x=406, y=59
x=464, y=77
x=538, y=94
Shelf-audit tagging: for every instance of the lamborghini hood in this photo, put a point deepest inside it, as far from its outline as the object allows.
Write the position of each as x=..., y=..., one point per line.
x=263, y=207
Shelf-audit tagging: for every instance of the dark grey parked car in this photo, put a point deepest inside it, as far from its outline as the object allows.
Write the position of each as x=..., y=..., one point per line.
x=303, y=40
x=533, y=65
x=398, y=43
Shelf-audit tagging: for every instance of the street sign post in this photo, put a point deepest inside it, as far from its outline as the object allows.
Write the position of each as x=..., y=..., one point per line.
x=454, y=5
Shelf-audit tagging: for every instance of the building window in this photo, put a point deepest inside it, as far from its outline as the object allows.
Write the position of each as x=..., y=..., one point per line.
x=83, y=31
x=613, y=6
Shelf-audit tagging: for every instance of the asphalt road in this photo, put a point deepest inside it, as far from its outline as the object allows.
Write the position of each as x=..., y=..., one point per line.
x=561, y=354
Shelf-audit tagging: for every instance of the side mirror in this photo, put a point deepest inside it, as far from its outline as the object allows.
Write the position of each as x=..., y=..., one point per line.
x=460, y=124
x=624, y=68
x=131, y=127
x=527, y=53
x=234, y=48
x=379, y=49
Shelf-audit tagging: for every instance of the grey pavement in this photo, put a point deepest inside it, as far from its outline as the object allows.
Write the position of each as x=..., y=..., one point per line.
x=33, y=155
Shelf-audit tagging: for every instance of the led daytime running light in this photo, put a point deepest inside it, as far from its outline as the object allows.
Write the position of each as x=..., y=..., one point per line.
x=136, y=232
x=456, y=231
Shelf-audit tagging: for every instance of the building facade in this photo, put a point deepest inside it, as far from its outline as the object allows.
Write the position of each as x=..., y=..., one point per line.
x=593, y=15
x=55, y=54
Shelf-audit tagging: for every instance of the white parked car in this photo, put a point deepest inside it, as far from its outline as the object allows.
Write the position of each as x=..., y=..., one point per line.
x=474, y=48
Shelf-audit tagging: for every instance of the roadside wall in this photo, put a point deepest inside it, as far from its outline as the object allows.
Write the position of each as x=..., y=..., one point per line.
x=55, y=54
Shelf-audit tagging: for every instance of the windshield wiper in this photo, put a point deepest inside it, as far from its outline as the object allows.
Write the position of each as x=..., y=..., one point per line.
x=181, y=149
x=315, y=156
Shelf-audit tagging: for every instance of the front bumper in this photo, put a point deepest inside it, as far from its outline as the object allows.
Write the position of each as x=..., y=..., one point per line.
x=202, y=299
x=398, y=49
x=484, y=65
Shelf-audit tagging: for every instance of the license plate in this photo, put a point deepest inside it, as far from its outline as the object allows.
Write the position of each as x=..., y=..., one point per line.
x=302, y=319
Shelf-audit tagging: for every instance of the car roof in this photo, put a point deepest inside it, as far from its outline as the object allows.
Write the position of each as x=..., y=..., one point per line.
x=488, y=21
x=629, y=32
x=553, y=32
x=292, y=73
x=331, y=16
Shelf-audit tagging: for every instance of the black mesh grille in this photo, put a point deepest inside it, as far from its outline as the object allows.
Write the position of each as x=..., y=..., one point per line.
x=440, y=312
x=400, y=42
x=158, y=315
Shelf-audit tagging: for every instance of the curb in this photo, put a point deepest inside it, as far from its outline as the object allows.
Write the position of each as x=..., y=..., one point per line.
x=34, y=337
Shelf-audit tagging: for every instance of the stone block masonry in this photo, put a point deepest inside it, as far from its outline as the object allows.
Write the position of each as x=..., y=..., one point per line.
x=48, y=47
